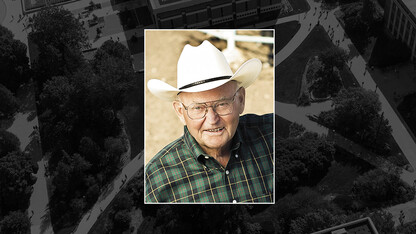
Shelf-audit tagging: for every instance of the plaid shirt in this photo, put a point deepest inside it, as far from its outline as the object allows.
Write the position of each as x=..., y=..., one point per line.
x=182, y=172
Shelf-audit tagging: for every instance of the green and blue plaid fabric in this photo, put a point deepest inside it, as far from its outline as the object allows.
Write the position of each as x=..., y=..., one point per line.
x=182, y=172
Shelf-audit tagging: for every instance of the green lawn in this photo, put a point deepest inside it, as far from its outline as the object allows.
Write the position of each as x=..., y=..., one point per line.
x=289, y=72
x=284, y=33
x=348, y=79
x=282, y=127
x=389, y=52
x=339, y=179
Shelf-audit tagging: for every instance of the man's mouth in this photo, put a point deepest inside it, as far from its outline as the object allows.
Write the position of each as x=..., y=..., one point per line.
x=215, y=129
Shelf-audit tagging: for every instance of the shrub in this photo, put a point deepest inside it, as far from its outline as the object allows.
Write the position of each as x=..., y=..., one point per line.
x=8, y=103
x=8, y=143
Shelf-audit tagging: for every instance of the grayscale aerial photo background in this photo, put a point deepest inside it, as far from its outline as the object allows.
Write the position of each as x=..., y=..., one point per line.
x=72, y=125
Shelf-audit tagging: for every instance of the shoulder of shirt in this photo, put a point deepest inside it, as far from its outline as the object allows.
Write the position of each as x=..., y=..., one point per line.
x=164, y=155
x=253, y=120
x=252, y=127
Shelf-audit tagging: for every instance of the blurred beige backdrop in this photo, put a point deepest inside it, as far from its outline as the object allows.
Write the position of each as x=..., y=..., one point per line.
x=162, y=51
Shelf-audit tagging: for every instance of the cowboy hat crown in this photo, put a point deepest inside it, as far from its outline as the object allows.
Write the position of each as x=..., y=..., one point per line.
x=202, y=68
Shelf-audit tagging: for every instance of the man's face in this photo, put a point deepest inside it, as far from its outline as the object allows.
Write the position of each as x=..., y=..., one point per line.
x=213, y=132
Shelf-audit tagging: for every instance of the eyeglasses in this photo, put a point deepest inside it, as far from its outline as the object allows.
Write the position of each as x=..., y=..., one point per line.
x=222, y=107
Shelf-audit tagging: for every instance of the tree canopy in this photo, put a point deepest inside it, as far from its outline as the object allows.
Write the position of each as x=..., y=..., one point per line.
x=8, y=103
x=356, y=115
x=325, y=73
x=57, y=27
x=315, y=221
x=79, y=115
x=333, y=57
x=113, y=65
x=303, y=212
x=8, y=143
x=14, y=63
x=301, y=161
x=362, y=20
x=16, y=180
x=16, y=222
x=204, y=219
x=60, y=38
x=378, y=187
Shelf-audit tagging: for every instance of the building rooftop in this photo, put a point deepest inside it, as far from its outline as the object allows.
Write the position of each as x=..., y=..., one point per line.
x=411, y=5
x=168, y=5
x=173, y=4
x=360, y=226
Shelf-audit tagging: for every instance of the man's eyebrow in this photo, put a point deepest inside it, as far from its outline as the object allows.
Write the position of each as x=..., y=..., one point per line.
x=221, y=99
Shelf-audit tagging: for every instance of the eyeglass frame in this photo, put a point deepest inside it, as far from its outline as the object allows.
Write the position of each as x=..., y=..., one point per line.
x=232, y=99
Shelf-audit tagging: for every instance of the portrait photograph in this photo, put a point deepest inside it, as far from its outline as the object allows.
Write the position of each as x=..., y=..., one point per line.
x=209, y=116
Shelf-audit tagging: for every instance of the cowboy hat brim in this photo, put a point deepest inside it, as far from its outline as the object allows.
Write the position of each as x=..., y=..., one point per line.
x=246, y=74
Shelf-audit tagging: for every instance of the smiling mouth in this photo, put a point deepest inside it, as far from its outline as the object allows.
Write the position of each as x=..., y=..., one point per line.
x=215, y=129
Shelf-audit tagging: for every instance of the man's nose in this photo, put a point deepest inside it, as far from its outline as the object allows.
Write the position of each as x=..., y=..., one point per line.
x=212, y=117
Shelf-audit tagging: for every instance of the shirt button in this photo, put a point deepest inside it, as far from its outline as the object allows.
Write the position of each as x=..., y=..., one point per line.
x=236, y=156
x=234, y=201
x=227, y=172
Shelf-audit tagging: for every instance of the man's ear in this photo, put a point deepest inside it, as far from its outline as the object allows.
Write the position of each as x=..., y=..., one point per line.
x=180, y=111
x=241, y=98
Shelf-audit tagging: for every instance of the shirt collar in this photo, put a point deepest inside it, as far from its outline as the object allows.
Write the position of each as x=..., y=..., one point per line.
x=196, y=149
x=192, y=144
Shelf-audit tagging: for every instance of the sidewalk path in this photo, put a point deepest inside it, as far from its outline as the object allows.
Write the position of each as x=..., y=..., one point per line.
x=298, y=114
x=112, y=190
x=23, y=128
x=41, y=221
x=3, y=10
x=400, y=133
x=307, y=21
x=409, y=210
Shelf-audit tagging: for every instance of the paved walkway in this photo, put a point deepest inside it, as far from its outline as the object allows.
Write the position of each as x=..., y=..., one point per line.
x=299, y=114
x=112, y=190
x=2, y=11
x=307, y=21
x=358, y=67
x=23, y=128
x=409, y=210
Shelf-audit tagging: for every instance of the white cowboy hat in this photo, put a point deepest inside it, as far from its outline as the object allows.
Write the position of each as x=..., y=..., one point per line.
x=202, y=68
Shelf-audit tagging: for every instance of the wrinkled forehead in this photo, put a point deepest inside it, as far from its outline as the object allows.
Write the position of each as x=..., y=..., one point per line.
x=222, y=92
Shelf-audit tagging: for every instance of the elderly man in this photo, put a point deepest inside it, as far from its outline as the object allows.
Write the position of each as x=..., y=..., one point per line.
x=222, y=157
